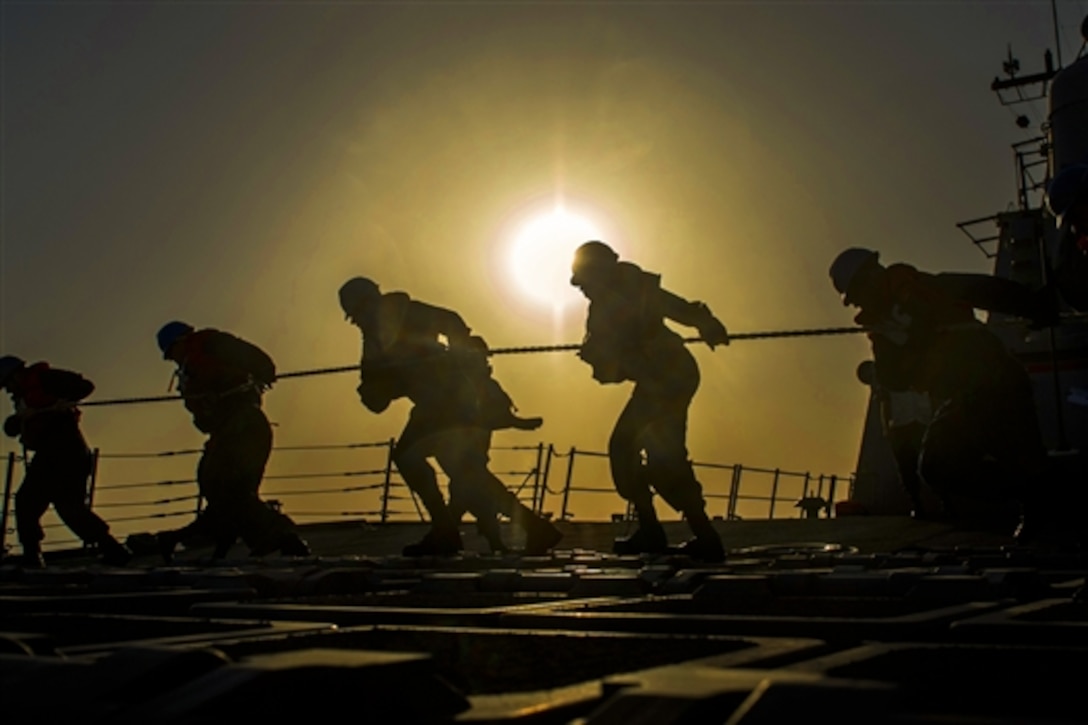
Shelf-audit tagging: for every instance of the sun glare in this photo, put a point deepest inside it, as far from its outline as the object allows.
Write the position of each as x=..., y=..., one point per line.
x=541, y=254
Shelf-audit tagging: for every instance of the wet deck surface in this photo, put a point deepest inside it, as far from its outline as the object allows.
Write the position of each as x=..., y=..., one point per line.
x=860, y=620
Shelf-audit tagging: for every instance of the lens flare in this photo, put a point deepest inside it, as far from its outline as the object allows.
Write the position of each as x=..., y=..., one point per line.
x=541, y=254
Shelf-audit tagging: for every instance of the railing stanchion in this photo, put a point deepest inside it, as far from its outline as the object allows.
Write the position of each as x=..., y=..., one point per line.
x=774, y=491
x=544, y=478
x=387, y=482
x=734, y=491
x=94, y=478
x=566, y=486
x=536, y=478
x=7, y=502
x=831, y=494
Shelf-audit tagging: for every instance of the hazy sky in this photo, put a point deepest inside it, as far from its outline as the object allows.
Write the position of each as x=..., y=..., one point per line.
x=232, y=163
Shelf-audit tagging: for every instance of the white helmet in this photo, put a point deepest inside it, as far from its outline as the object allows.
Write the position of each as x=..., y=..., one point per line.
x=847, y=265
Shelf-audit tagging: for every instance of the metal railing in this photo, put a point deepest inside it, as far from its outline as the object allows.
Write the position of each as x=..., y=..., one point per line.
x=732, y=491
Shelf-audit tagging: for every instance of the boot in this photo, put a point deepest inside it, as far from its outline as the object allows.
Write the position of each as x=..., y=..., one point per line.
x=31, y=558
x=223, y=546
x=291, y=544
x=649, y=538
x=1042, y=520
x=918, y=510
x=525, y=423
x=703, y=548
x=488, y=527
x=541, y=536
x=707, y=544
x=168, y=542
x=436, y=542
x=114, y=553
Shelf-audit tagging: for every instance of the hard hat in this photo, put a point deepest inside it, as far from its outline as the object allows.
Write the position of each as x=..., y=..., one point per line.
x=591, y=255
x=9, y=364
x=170, y=333
x=847, y=265
x=1066, y=189
x=357, y=292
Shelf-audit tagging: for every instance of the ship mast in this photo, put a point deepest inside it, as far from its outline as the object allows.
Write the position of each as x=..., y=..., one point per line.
x=1027, y=237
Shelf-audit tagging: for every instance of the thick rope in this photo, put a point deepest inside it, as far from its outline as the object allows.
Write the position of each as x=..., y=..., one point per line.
x=524, y=350
x=688, y=340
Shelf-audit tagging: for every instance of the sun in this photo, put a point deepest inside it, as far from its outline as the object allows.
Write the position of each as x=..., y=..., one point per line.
x=540, y=256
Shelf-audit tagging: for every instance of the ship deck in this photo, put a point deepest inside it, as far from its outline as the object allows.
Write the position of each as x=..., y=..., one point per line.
x=851, y=619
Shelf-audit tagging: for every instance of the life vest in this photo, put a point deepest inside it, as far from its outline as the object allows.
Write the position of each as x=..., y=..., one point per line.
x=206, y=370
x=403, y=358
x=219, y=374
x=926, y=340
x=34, y=394
x=41, y=424
x=626, y=336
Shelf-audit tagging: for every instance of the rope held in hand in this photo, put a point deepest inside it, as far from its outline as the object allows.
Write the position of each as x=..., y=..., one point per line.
x=525, y=350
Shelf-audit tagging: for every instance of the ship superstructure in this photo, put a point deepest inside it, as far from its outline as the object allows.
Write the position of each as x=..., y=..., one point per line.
x=1022, y=243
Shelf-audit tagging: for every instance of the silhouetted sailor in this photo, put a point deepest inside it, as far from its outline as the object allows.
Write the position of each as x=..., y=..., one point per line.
x=1067, y=198
x=454, y=402
x=46, y=421
x=222, y=379
x=983, y=440
x=627, y=339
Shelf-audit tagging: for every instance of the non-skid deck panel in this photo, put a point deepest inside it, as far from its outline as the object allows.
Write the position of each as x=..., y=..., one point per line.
x=774, y=632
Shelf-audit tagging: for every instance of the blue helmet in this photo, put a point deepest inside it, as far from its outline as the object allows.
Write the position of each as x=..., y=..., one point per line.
x=170, y=333
x=9, y=365
x=1066, y=189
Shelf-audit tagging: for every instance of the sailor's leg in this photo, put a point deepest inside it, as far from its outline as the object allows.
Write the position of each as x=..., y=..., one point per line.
x=630, y=479
x=31, y=503
x=235, y=466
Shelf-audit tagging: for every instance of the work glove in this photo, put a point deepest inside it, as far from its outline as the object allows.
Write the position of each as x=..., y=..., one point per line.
x=13, y=425
x=478, y=344
x=373, y=397
x=712, y=331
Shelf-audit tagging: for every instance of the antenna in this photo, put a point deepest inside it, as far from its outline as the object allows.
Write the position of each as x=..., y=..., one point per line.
x=1057, y=35
x=1011, y=66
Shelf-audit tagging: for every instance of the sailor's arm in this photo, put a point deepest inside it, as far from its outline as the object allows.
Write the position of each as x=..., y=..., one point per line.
x=66, y=385
x=448, y=323
x=694, y=314
x=375, y=378
x=995, y=294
